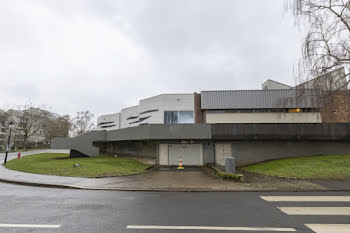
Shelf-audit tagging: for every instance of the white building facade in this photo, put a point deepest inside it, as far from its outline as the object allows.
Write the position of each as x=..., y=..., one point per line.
x=160, y=109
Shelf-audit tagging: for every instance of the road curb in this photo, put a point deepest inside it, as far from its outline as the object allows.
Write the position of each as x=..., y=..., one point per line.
x=34, y=184
x=136, y=189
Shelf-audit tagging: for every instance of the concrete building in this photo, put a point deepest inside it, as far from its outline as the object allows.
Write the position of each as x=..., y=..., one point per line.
x=231, y=106
x=259, y=106
x=252, y=125
x=3, y=129
x=334, y=80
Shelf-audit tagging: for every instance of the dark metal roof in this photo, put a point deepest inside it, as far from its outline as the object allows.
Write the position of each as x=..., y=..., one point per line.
x=258, y=99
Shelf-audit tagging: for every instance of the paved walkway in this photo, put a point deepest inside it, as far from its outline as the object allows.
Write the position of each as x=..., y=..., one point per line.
x=158, y=180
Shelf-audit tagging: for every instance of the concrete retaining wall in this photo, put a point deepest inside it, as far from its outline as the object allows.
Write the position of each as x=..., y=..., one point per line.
x=251, y=143
x=147, y=149
x=83, y=143
x=288, y=132
x=208, y=152
x=250, y=152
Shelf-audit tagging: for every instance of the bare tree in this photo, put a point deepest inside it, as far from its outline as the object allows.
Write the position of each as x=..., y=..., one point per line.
x=28, y=119
x=83, y=122
x=326, y=46
x=59, y=127
x=325, y=63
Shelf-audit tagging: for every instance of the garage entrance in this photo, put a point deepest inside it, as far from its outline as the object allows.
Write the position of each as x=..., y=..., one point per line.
x=191, y=154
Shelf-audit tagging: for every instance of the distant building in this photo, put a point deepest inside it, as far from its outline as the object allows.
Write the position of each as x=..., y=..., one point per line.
x=329, y=81
x=3, y=128
x=274, y=85
x=17, y=137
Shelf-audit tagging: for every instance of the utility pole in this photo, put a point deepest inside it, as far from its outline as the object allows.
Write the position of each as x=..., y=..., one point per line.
x=8, y=142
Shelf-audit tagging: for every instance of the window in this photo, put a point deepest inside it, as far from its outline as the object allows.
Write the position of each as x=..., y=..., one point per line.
x=107, y=126
x=186, y=117
x=104, y=123
x=178, y=117
x=171, y=117
x=295, y=110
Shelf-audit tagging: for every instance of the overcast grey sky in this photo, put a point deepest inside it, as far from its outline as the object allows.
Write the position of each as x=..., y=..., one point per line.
x=106, y=55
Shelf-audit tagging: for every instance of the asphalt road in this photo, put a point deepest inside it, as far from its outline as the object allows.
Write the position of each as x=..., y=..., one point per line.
x=113, y=211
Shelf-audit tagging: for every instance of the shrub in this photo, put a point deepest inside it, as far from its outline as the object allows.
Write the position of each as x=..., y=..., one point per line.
x=227, y=176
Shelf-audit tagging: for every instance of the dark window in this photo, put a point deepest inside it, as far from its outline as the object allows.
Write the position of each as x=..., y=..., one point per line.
x=140, y=120
x=132, y=117
x=178, y=117
x=107, y=126
x=171, y=117
x=104, y=123
x=148, y=111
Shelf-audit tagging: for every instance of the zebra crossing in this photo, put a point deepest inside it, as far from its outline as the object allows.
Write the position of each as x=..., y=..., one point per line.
x=315, y=210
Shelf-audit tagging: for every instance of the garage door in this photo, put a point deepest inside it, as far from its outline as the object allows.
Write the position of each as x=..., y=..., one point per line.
x=222, y=150
x=191, y=154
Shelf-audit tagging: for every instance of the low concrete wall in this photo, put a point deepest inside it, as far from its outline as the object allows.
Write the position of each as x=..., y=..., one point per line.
x=145, y=148
x=161, y=132
x=82, y=143
x=250, y=152
x=288, y=132
x=251, y=143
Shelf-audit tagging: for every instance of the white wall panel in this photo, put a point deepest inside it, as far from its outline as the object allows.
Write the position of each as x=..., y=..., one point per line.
x=166, y=102
x=191, y=154
x=222, y=150
x=129, y=112
x=108, y=122
x=156, y=105
x=163, y=154
x=303, y=117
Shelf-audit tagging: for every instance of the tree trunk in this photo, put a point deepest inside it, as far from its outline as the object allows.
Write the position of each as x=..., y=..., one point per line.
x=25, y=141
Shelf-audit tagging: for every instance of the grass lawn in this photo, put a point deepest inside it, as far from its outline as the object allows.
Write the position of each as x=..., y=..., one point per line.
x=325, y=166
x=62, y=165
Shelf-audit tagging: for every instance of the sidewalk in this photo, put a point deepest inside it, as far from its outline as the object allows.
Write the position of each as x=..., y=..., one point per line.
x=160, y=180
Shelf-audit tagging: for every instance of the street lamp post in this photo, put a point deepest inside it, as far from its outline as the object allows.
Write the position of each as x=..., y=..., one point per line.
x=8, y=142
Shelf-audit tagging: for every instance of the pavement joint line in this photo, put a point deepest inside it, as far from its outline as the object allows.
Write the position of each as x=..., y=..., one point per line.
x=212, y=228
x=326, y=228
x=29, y=226
x=306, y=198
x=341, y=211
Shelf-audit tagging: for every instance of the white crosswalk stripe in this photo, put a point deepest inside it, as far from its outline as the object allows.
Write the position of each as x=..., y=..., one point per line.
x=329, y=228
x=306, y=198
x=315, y=211
x=29, y=226
x=212, y=228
